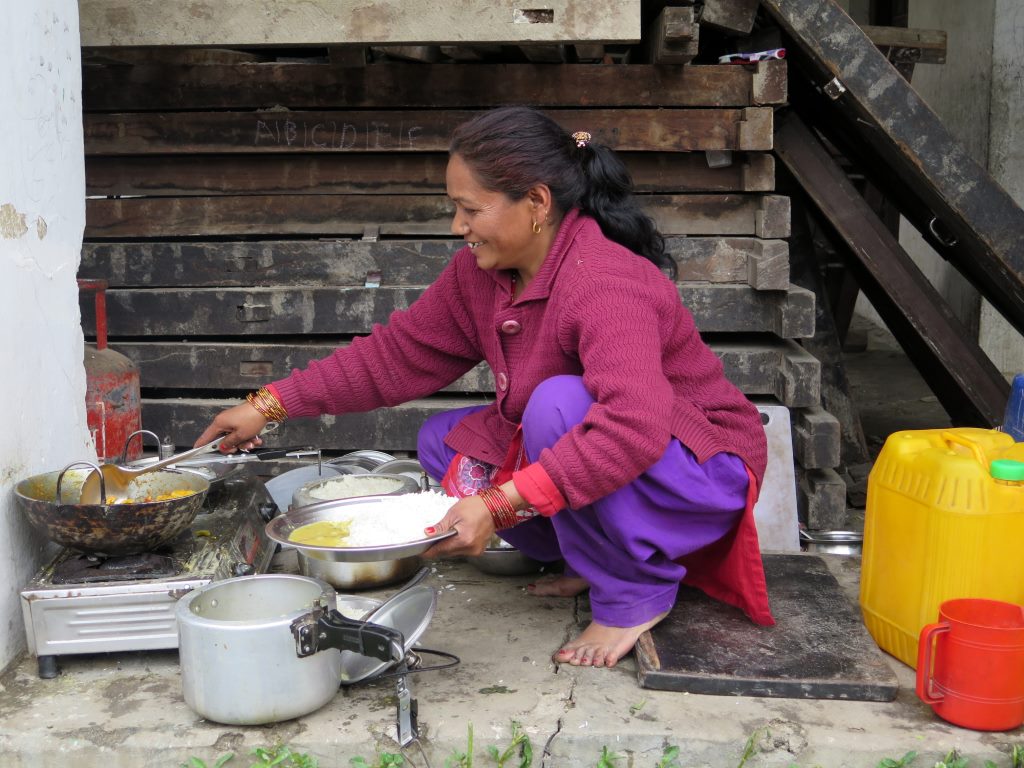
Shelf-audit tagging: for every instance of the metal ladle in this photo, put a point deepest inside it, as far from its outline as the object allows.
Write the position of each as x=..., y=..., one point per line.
x=112, y=480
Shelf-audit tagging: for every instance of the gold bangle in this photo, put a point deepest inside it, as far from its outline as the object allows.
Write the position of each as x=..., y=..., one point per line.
x=268, y=406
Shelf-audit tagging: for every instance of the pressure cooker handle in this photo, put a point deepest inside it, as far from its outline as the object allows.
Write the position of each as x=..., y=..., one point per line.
x=330, y=629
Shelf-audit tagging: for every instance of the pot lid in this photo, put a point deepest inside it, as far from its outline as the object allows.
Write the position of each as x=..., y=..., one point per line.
x=409, y=612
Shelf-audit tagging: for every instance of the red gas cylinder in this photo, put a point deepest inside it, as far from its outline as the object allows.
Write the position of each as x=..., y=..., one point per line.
x=113, y=403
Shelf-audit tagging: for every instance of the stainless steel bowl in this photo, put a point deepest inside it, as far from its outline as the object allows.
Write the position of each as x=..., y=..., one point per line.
x=505, y=562
x=370, y=575
x=502, y=559
x=349, y=567
x=832, y=542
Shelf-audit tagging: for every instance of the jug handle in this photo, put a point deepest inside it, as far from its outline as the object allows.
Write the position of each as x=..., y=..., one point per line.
x=979, y=455
x=924, y=661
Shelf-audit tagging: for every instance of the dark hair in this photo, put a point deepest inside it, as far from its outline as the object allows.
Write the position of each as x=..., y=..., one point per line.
x=512, y=149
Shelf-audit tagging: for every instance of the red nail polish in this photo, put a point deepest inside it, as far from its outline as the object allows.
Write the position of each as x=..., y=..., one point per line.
x=430, y=531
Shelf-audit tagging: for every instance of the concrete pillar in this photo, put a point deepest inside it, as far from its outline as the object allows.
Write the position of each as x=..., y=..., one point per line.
x=1006, y=160
x=42, y=217
x=978, y=94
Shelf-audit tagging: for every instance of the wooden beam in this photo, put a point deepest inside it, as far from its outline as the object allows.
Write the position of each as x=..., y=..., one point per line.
x=424, y=54
x=674, y=36
x=757, y=365
x=253, y=312
x=387, y=85
x=376, y=173
x=916, y=46
x=250, y=23
x=176, y=133
x=968, y=385
x=544, y=54
x=912, y=141
x=761, y=264
x=385, y=429
x=765, y=216
x=733, y=16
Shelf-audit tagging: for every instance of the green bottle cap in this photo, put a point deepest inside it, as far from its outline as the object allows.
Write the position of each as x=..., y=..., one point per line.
x=1007, y=469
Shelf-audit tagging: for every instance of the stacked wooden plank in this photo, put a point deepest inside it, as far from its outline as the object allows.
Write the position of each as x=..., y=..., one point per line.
x=252, y=216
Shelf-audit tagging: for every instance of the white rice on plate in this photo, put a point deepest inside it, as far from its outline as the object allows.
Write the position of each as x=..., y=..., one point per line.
x=396, y=519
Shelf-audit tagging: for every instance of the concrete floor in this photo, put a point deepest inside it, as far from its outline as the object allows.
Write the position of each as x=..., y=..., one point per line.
x=126, y=709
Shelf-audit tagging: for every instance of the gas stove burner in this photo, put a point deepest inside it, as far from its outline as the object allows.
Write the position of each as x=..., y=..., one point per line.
x=81, y=604
x=93, y=569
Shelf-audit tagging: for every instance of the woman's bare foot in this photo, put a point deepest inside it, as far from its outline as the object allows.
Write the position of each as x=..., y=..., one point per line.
x=558, y=586
x=601, y=646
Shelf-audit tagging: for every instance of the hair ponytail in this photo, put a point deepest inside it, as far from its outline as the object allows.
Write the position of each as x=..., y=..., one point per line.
x=511, y=149
x=609, y=198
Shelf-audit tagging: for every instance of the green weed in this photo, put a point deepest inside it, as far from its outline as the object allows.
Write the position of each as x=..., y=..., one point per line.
x=520, y=747
x=266, y=757
x=384, y=760
x=608, y=759
x=462, y=759
x=195, y=762
x=907, y=759
x=281, y=757
x=669, y=758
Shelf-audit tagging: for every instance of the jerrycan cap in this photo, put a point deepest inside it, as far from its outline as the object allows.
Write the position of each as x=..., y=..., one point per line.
x=1007, y=469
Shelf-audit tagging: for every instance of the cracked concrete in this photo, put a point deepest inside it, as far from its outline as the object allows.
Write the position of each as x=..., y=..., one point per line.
x=125, y=710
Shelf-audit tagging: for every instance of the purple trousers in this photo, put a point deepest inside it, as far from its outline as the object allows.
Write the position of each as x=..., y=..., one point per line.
x=625, y=544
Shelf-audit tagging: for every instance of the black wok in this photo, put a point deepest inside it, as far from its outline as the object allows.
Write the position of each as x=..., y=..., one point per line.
x=111, y=529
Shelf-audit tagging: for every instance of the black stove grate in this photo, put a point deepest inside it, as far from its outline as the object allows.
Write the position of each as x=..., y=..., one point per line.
x=90, y=569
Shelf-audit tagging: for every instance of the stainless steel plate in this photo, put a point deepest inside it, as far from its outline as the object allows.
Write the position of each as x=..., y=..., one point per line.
x=368, y=460
x=409, y=467
x=281, y=527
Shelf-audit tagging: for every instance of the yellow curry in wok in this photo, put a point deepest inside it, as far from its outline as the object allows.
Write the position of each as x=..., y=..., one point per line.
x=149, y=497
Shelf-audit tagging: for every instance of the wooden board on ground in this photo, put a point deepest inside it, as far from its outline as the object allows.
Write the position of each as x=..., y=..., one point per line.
x=818, y=648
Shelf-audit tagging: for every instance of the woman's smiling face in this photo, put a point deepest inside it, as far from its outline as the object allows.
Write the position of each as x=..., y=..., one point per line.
x=498, y=229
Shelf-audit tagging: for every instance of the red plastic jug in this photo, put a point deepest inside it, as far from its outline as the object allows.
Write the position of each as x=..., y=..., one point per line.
x=977, y=679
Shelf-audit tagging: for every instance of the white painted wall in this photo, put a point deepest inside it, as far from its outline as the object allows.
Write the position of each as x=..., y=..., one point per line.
x=42, y=217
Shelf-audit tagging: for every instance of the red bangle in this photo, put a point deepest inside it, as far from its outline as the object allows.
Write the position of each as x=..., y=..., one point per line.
x=498, y=504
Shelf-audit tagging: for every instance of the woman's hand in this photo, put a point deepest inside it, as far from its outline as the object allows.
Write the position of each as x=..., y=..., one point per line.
x=241, y=426
x=475, y=528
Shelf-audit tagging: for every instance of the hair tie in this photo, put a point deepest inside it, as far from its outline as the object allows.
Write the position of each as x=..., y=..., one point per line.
x=582, y=138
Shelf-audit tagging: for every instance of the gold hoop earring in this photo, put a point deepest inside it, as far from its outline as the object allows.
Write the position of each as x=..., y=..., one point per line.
x=536, y=228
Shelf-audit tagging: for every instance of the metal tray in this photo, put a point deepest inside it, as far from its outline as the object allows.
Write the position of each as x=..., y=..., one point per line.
x=282, y=526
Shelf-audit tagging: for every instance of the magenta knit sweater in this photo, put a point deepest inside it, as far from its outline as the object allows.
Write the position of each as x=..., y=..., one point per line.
x=594, y=310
